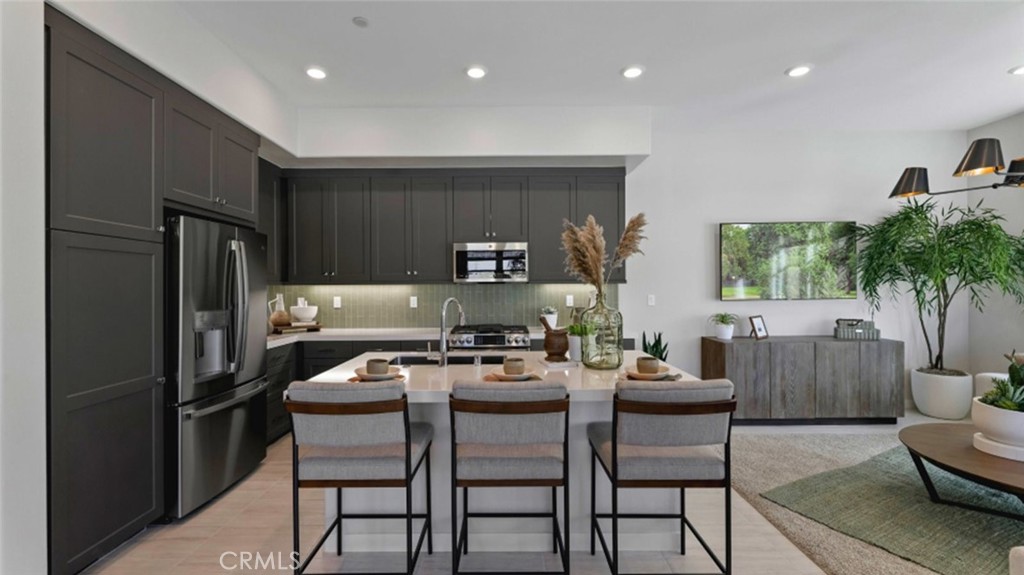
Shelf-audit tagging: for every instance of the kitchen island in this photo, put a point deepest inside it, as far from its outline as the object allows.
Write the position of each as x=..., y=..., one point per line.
x=427, y=387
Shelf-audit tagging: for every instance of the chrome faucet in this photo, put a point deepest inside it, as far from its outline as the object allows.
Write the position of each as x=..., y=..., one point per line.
x=443, y=347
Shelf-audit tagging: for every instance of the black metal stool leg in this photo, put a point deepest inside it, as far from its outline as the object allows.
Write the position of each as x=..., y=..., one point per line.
x=339, y=521
x=615, y=529
x=465, y=510
x=430, y=514
x=554, y=520
x=408, y=527
x=455, y=526
x=682, y=521
x=593, y=498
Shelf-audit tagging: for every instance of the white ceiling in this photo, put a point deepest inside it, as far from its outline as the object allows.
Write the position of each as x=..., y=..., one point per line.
x=877, y=65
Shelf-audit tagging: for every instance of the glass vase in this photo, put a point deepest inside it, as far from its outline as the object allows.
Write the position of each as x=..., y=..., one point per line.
x=602, y=344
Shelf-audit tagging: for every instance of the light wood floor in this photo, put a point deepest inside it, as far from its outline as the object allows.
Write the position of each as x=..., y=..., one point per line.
x=255, y=516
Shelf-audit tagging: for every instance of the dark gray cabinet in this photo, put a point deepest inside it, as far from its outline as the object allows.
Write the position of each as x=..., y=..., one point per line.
x=490, y=209
x=411, y=225
x=807, y=378
x=329, y=231
x=211, y=162
x=282, y=369
x=273, y=220
x=106, y=393
x=552, y=200
x=99, y=183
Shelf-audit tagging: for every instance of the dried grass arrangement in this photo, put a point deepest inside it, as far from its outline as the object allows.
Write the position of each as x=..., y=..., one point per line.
x=586, y=257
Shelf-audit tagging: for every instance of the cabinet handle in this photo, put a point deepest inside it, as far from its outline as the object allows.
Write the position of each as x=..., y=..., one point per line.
x=161, y=380
x=160, y=229
x=216, y=200
x=325, y=274
x=332, y=274
x=408, y=273
x=415, y=273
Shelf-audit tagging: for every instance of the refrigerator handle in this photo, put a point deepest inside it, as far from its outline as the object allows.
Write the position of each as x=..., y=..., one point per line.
x=243, y=303
x=231, y=265
x=235, y=286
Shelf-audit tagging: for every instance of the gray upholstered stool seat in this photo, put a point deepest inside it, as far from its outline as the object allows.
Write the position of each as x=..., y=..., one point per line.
x=357, y=435
x=657, y=462
x=526, y=461
x=509, y=434
x=385, y=461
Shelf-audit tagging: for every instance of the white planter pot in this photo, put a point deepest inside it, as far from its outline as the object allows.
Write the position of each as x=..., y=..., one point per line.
x=575, y=348
x=552, y=319
x=997, y=424
x=724, y=331
x=942, y=396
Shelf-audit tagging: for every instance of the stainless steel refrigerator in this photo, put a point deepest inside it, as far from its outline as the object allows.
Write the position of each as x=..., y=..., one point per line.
x=217, y=405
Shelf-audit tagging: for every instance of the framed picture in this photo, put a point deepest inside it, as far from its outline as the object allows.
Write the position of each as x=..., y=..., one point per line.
x=757, y=327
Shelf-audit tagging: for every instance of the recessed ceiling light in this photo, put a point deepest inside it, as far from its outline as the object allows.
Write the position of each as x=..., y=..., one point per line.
x=316, y=73
x=360, y=22
x=797, y=71
x=632, y=72
x=1016, y=71
x=476, y=72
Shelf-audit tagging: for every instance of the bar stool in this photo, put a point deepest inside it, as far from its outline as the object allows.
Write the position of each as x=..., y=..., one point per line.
x=662, y=435
x=509, y=434
x=359, y=436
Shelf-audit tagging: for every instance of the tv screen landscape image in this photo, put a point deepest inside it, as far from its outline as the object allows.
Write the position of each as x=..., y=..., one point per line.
x=788, y=261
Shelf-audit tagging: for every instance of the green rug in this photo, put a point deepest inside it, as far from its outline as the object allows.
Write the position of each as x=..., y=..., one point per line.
x=883, y=502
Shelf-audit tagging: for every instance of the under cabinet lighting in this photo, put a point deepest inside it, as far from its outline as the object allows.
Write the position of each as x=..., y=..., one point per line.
x=632, y=72
x=798, y=71
x=476, y=72
x=316, y=73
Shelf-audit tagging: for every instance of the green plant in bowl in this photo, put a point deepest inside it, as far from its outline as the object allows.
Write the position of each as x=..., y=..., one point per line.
x=723, y=319
x=1008, y=393
x=656, y=347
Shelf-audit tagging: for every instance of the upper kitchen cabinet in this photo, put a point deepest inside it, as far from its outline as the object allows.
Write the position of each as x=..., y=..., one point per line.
x=603, y=197
x=211, y=161
x=490, y=209
x=101, y=184
x=552, y=199
x=411, y=223
x=273, y=221
x=329, y=231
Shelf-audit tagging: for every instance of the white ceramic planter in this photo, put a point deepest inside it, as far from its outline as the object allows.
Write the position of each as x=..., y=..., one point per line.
x=575, y=348
x=552, y=319
x=942, y=396
x=1001, y=425
x=724, y=331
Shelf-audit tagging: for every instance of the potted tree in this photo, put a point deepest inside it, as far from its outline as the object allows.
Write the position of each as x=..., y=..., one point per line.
x=724, y=324
x=936, y=255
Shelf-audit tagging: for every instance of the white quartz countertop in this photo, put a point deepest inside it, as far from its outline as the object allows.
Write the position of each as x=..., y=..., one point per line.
x=431, y=384
x=373, y=333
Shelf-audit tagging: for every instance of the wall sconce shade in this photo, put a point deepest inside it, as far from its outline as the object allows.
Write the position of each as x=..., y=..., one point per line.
x=985, y=156
x=913, y=182
x=1016, y=167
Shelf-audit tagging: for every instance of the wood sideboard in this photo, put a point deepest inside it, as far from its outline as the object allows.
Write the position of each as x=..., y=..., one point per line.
x=809, y=379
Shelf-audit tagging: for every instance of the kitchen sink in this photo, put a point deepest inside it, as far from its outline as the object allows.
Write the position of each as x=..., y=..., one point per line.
x=452, y=360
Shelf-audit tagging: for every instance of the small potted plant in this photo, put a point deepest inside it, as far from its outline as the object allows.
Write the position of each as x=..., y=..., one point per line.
x=724, y=324
x=577, y=332
x=999, y=414
x=550, y=314
x=655, y=347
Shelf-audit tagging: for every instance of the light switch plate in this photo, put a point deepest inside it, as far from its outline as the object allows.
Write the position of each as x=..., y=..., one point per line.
x=337, y=302
x=568, y=300
x=414, y=301
x=650, y=299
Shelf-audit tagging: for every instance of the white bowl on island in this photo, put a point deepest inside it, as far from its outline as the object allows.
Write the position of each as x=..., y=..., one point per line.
x=304, y=313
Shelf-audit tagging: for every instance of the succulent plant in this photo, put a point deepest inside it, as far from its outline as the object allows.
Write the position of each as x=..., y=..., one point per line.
x=723, y=318
x=655, y=347
x=548, y=309
x=1009, y=393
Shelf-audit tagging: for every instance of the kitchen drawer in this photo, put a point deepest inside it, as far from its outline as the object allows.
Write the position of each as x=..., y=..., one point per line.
x=281, y=372
x=332, y=349
x=361, y=347
x=314, y=367
x=278, y=421
x=279, y=356
x=420, y=345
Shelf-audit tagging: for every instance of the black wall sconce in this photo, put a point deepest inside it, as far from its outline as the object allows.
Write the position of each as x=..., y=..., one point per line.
x=985, y=156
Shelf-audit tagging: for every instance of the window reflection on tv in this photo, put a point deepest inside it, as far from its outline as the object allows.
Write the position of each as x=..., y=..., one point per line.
x=788, y=261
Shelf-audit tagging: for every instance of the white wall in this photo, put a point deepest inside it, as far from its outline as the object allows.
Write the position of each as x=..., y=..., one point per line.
x=694, y=180
x=165, y=37
x=474, y=132
x=22, y=291
x=1000, y=328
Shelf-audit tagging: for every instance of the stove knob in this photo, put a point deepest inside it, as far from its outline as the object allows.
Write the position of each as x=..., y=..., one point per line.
x=467, y=340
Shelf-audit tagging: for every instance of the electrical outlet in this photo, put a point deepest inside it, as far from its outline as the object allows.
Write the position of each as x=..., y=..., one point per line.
x=414, y=302
x=337, y=302
x=650, y=299
x=568, y=300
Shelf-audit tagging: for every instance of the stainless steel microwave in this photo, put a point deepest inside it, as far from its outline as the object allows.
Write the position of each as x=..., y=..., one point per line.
x=491, y=262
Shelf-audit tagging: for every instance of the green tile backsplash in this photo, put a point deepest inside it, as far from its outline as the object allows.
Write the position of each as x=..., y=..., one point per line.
x=388, y=305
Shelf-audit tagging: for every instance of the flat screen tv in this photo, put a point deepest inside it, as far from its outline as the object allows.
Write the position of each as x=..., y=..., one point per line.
x=788, y=261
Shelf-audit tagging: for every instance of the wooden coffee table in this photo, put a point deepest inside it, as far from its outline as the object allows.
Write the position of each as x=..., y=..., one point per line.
x=949, y=446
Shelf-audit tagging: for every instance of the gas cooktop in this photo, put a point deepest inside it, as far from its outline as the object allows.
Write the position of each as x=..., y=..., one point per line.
x=489, y=336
